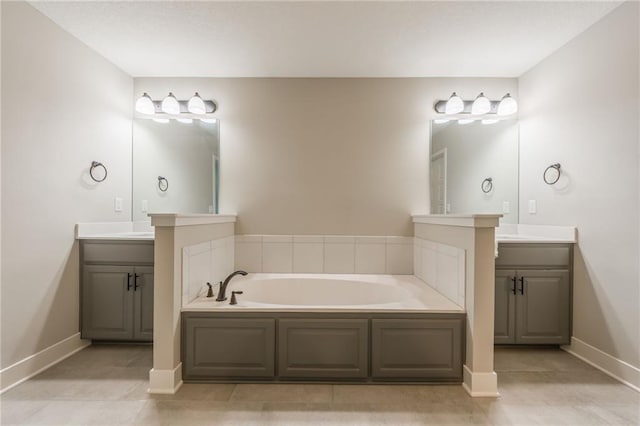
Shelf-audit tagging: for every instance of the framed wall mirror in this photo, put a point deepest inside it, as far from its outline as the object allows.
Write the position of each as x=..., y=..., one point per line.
x=474, y=168
x=175, y=167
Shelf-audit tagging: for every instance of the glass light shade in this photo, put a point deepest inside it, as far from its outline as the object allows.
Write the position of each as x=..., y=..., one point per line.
x=489, y=121
x=481, y=105
x=507, y=105
x=454, y=105
x=161, y=120
x=185, y=120
x=441, y=120
x=170, y=105
x=144, y=105
x=209, y=120
x=466, y=121
x=196, y=105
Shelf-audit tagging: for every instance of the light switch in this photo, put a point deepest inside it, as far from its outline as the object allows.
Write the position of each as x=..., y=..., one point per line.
x=448, y=208
x=210, y=209
x=117, y=204
x=533, y=208
x=144, y=206
x=506, y=207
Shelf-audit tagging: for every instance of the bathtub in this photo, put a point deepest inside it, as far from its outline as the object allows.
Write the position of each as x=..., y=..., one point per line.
x=324, y=327
x=328, y=292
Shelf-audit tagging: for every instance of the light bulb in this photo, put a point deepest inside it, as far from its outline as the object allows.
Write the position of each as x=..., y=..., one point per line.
x=454, y=105
x=196, y=105
x=170, y=105
x=209, y=120
x=507, y=105
x=466, y=121
x=481, y=105
x=489, y=121
x=144, y=104
x=161, y=120
x=185, y=120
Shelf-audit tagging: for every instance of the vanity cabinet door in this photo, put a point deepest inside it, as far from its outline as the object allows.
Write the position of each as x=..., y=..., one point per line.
x=543, y=311
x=143, y=304
x=107, y=303
x=504, y=324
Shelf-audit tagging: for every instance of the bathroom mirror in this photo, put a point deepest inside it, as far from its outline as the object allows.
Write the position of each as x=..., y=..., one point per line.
x=474, y=168
x=175, y=167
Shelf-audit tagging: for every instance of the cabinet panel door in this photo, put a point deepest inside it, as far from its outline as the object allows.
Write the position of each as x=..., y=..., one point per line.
x=504, y=326
x=323, y=348
x=143, y=304
x=227, y=348
x=543, y=314
x=429, y=349
x=107, y=302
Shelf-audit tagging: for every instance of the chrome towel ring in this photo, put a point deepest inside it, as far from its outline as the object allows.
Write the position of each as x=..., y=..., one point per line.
x=95, y=165
x=487, y=185
x=551, y=181
x=163, y=184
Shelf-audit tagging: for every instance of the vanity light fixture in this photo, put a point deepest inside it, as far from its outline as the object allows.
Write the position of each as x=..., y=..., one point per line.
x=507, y=105
x=482, y=105
x=466, y=121
x=490, y=121
x=170, y=108
x=170, y=104
x=454, y=104
x=209, y=120
x=144, y=104
x=196, y=105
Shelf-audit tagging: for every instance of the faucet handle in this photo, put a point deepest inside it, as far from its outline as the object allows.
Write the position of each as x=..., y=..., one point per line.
x=210, y=291
x=234, y=301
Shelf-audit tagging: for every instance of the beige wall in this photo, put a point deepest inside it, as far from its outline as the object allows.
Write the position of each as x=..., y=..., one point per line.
x=324, y=156
x=579, y=107
x=69, y=106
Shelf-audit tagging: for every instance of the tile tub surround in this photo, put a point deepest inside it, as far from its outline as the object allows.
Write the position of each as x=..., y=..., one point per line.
x=106, y=384
x=442, y=267
x=210, y=261
x=324, y=254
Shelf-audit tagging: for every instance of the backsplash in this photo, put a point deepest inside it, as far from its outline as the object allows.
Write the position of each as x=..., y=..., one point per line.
x=324, y=254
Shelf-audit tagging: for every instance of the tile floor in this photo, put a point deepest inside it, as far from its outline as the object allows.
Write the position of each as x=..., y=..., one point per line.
x=106, y=385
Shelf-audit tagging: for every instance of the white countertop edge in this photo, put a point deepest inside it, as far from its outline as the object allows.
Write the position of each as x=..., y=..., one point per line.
x=125, y=236
x=523, y=233
x=188, y=219
x=465, y=220
x=278, y=308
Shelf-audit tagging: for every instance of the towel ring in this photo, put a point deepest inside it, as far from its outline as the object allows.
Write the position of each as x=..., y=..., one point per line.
x=487, y=185
x=555, y=167
x=163, y=184
x=94, y=165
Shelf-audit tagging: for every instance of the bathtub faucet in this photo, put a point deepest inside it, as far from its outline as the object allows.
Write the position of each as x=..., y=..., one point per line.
x=223, y=285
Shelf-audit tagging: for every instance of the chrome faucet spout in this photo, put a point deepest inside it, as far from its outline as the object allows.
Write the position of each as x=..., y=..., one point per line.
x=223, y=285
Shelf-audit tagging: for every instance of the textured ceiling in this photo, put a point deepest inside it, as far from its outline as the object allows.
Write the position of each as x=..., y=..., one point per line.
x=325, y=39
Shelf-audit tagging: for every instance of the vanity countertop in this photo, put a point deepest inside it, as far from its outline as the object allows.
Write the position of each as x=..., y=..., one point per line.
x=526, y=234
x=115, y=231
x=119, y=236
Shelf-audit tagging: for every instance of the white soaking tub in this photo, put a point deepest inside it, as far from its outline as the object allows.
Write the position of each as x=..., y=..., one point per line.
x=328, y=292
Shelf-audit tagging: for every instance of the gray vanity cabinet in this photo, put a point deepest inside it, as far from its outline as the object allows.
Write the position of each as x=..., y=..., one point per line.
x=116, y=290
x=533, y=294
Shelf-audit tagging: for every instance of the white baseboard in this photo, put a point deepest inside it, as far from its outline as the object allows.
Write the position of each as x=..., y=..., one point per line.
x=614, y=367
x=480, y=385
x=24, y=369
x=165, y=381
